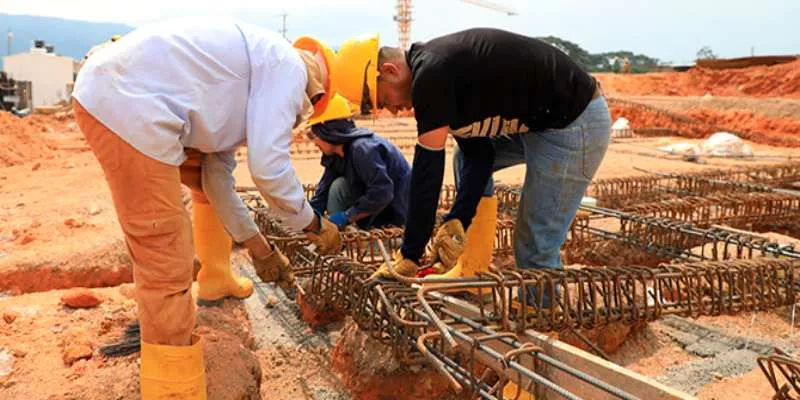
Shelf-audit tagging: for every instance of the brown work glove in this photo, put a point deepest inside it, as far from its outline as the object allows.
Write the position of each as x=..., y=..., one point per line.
x=403, y=267
x=274, y=268
x=327, y=239
x=448, y=244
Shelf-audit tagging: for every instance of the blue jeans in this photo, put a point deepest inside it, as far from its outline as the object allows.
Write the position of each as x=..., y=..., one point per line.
x=560, y=164
x=342, y=195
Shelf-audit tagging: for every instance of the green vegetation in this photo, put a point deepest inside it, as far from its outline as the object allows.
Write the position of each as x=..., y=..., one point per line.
x=610, y=61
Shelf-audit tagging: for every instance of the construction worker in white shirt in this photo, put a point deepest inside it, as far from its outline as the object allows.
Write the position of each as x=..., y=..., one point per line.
x=153, y=106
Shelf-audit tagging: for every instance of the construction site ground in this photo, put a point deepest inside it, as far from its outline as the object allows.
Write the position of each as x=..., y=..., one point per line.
x=58, y=231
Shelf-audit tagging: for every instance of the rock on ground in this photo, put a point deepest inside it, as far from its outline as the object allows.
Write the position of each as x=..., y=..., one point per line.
x=81, y=298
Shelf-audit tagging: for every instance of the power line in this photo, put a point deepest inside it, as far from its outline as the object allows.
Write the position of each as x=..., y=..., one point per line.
x=283, y=26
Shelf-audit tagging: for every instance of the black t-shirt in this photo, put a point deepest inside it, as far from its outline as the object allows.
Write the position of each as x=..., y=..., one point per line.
x=488, y=82
x=482, y=83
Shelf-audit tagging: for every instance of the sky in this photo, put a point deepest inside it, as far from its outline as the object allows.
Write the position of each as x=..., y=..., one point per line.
x=670, y=30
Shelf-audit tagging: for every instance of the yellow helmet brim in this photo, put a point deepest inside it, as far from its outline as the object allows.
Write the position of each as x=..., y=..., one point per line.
x=338, y=108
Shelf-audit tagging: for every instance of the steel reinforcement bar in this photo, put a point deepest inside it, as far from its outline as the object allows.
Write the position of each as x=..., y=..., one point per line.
x=623, y=192
x=390, y=312
x=783, y=373
x=358, y=245
x=670, y=238
x=593, y=297
x=664, y=237
x=419, y=325
x=736, y=210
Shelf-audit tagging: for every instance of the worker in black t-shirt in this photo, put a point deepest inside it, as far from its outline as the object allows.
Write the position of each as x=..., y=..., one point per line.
x=507, y=99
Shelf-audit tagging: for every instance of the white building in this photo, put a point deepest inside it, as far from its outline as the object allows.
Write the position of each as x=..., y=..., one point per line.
x=52, y=76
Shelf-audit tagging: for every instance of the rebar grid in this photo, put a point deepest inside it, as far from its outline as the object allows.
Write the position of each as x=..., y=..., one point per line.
x=670, y=238
x=591, y=297
x=624, y=192
x=736, y=210
x=390, y=312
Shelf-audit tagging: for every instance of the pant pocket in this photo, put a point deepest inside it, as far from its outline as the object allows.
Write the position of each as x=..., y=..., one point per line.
x=594, y=143
x=156, y=229
x=161, y=247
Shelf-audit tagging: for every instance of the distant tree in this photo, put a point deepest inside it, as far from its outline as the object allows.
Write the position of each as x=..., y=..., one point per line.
x=602, y=62
x=571, y=49
x=639, y=62
x=705, y=53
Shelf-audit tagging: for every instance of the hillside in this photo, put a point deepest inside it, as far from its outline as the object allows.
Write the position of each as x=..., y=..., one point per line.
x=71, y=37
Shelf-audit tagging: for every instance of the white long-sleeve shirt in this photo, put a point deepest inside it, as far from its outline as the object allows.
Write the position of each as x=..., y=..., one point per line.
x=219, y=186
x=212, y=84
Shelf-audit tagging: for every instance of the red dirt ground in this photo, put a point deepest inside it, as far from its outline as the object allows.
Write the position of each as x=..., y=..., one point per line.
x=44, y=330
x=776, y=131
x=776, y=81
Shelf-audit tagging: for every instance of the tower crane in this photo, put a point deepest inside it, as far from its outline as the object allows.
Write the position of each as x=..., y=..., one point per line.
x=403, y=17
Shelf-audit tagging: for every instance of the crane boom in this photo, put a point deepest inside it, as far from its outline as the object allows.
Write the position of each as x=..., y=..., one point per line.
x=492, y=6
x=403, y=17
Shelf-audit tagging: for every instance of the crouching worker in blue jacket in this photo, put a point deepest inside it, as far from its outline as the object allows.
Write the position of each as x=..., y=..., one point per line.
x=366, y=179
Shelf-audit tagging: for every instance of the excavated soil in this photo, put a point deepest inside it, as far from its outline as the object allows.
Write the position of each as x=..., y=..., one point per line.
x=768, y=107
x=370, y=370
x=781, y=80
x=775, y=131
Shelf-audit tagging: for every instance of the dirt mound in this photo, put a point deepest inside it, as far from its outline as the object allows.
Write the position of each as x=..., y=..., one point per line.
x=31, y=138
x=775, y=81
x=701, y=123
x=370, y=370
x=747, y=121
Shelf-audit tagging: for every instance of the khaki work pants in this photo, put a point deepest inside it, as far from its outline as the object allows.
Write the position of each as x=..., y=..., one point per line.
x=158, y=232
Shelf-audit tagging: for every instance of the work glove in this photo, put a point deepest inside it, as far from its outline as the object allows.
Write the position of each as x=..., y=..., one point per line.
x=340, y=219
x=274, y=268
x=327, y=239
x=448, y=243
x=403, y=267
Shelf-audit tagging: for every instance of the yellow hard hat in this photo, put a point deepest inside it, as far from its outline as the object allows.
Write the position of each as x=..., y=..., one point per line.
x=356, y=66
x=316, y=46
x=338, y=108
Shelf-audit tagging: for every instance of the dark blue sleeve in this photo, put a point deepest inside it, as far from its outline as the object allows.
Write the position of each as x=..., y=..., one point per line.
x=369, y=160
x=319, y=202
x=475, y=173
x=427, y=173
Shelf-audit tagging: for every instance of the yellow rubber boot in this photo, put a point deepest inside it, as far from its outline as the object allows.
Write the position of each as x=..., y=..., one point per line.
x=513, y=391
x=173, y=372
x=213, y=247
x=480, y=239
